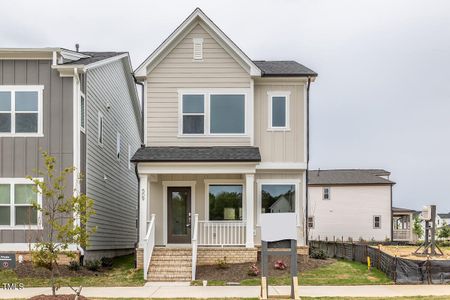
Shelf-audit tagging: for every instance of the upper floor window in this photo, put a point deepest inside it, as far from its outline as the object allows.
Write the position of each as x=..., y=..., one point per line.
x=82, y=112
x=213, y=114
x=326, y=193
x=278, y=110
x=100, y=129
x=17, y=197
x=198, y=48
x=21, y=110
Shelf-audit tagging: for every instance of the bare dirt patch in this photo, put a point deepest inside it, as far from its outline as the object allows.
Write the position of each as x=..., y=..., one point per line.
x=239, y=272
x=408, y=252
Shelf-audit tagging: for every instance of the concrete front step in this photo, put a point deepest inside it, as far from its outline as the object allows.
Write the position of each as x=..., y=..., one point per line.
x=180, y=263
x=169, y=277
x=170, y=269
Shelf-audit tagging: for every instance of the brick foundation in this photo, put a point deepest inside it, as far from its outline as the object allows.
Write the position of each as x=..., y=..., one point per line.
x=210, y=256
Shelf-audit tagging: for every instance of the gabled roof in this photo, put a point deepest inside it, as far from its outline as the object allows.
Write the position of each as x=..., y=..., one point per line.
x=287, y=68
x=197, y=154
x=348, y=177
x=444, y=216
x=194, y=17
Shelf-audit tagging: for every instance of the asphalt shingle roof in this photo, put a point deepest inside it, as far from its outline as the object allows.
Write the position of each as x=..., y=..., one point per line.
x=197, y=154
x=403, y=210
x=288, y=68
x=93, y=57
x=444, y=216
x=348, y=177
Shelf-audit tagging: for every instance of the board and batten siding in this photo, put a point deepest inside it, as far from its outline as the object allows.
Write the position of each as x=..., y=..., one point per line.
x=280, y=146
x=110, y=182
x=21, y=156
x=178, y=70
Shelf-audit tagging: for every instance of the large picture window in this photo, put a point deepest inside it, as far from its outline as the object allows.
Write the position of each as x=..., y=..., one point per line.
x=16, y=203
x=277, y=198
x=213, y=114
x=20, y=110
x=225, y=202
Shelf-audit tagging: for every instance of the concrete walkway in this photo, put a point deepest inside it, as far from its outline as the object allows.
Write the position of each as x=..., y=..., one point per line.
x=182, y=291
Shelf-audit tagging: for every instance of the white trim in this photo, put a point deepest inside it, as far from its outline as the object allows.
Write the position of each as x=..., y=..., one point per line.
x=145, y=112
x=197, y=168
x=305, y=124
x=281, y=166
x=209, y=182
x=82, y=126
x=207, y=93
x=25, y=247
x=250, y=116
x=40, y=112
x=271, y=95
x=12, y=182
x=167, y=184
x=100, y=129
x=141, y=71
x=295, y=182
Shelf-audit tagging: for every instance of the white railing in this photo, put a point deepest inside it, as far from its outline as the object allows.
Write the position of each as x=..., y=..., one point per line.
x=149, y=244
x=402, y=235
x=221, y=233
x=194, y=245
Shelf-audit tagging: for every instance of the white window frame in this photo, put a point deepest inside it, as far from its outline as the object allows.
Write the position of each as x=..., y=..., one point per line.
x=271, y=95
x=83, y=112
x=12, y=182
x=309, y=221
x=207, y=113
x=261, y=182
x=24, y=88
x=100, y=129
x=118, y=146
x=209, y=182
x=328, y=193
x=379, y=222
x=197, y=49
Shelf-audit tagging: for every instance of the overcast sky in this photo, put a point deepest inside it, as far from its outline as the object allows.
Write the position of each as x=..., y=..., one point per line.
x=382, y=98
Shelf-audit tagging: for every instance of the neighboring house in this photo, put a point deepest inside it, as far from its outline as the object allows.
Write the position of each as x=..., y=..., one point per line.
x=82, y=108
x=403, y=224
x=225, y=137
x=350, y=204
x=442, y=219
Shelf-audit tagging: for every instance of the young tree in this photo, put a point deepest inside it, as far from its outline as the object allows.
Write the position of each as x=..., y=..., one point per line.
x=444, y=231
x=65, y=217
x=417, y=227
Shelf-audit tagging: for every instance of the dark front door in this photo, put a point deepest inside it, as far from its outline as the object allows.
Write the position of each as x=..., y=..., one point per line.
x=179, y=215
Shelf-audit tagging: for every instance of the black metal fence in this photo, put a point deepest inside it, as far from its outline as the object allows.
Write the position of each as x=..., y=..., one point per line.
x=400, y=270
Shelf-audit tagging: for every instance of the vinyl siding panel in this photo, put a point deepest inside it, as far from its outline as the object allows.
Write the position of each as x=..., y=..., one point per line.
x=20, y=156
x=280, y=146
x=178, y=70
x=115, y=199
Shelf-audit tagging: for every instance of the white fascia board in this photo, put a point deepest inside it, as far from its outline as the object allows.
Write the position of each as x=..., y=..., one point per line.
x=106, y=61
x=197, y=168
x=141, y=71
x=72, y=55
x=281, y=166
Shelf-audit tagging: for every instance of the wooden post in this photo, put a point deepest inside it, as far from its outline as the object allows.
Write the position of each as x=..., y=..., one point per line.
x=263, y=295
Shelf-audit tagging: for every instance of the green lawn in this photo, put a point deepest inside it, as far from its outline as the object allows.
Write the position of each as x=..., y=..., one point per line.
x=341, y=272
x=121, y=274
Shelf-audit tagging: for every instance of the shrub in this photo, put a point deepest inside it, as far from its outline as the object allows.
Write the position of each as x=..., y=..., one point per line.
x=253, y=270
x=280, y=265
x=74, y=265
x=93, y=265
x=107, y=262
x=222, y=263
x=318, y=253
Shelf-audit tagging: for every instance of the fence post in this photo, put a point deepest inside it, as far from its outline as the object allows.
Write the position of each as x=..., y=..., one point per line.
x=379, y=257
x=353, y=251
x=395, y=269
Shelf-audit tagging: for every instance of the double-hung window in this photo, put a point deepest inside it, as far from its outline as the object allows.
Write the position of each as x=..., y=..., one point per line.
x=213, y=114
x=278, y=110
x=21, y=110
x=225, y=202
x=17, y=197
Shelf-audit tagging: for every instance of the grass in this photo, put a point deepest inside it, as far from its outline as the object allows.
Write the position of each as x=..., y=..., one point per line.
x=121, y=274
x=341, y=272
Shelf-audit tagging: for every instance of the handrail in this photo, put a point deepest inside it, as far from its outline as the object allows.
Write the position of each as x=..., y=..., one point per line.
x=194, y=246
x=149, y=244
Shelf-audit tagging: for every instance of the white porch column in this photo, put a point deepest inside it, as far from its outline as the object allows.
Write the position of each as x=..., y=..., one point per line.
x=144, y=199
x=249, y=209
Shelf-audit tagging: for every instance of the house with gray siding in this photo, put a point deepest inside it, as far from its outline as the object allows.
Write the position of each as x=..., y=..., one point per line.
x=226, y=140
x=83, y=109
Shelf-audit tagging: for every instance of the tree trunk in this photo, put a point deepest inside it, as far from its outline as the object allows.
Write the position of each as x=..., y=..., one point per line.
x=53, y=280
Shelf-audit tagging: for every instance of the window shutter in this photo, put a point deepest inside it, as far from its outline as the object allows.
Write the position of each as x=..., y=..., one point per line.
x=198, y=48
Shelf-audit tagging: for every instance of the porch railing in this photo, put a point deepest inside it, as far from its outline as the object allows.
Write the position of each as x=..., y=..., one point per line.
x=221, y=233
x=194, y=245
x=149, y=244
x=402, y=235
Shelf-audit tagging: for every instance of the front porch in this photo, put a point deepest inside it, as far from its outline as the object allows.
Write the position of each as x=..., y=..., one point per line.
x=403, y=225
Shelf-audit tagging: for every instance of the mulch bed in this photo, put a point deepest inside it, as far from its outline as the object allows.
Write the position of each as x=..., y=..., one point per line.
x=238, y=272
x=57, y=297
x=26, y=269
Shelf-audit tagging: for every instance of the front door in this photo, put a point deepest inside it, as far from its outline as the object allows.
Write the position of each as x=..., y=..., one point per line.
x=179, y=215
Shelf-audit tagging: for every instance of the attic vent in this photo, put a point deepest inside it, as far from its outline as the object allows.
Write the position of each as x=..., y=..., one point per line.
x=198, y=48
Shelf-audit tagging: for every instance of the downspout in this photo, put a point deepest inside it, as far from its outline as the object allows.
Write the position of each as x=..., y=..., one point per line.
x=307, y=158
